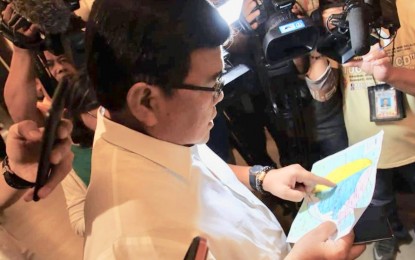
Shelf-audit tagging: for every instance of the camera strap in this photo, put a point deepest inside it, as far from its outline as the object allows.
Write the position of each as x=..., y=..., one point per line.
x=245, y=25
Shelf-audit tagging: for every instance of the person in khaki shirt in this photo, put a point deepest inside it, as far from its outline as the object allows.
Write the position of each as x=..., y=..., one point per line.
x=388, y=64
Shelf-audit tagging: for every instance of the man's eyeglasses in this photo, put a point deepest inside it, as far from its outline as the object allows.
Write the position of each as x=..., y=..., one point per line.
x=217, y=88
x=92, y=114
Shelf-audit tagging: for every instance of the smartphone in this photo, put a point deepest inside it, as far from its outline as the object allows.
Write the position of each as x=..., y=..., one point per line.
x=52, y=120
x=372, y=226
x=198, y=249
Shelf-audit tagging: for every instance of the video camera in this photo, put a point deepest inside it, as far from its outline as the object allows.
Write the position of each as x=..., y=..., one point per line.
x=46, y=14
x=54, y=18
x=287, y=36
x=357, y=28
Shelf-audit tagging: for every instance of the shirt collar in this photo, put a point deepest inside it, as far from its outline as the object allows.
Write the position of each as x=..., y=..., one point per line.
x=175, y=157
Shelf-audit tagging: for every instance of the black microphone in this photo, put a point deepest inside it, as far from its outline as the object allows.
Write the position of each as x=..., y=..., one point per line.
x=358, y=29
x=52, y=16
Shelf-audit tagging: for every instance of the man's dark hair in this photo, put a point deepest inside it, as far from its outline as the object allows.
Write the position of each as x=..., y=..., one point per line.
x=129, y=41
x=80, y=100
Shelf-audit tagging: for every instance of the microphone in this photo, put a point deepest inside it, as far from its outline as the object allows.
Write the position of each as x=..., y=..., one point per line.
x=52, y=16
x=359, y=30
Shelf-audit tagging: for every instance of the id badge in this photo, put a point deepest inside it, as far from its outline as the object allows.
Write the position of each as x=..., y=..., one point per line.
x=386, y=103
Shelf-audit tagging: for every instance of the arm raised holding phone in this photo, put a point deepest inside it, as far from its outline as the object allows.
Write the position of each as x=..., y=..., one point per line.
x=23, y=150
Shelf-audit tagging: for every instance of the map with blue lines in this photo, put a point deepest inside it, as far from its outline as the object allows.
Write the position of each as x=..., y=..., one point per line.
x=354, y=172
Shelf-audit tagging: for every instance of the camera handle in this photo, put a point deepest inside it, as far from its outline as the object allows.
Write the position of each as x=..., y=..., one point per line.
x=262, y=72
x=296, y=149
x=48, y=82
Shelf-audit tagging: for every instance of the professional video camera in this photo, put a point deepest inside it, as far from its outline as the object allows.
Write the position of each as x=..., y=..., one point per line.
x=53, y=17
x=286, y=35
x=357, y=27
x=283, y=35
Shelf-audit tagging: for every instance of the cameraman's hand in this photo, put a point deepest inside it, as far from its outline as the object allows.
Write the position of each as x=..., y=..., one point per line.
x=292, y=182
x=317, y=245
x=23, y=149
x=376, y=63
x=247, y=8
x=298, y=11
x=8, y=15
x=329, y=11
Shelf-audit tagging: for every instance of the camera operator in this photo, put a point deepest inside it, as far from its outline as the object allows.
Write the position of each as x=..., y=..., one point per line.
x=20, y=90
x=244, y=106
x=392, y=65
x=21, y=100
x=20, y=167
x=323, y=130
x=330, y=133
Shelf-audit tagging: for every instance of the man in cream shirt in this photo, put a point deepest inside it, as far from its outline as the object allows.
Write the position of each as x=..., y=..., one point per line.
x=155, y=185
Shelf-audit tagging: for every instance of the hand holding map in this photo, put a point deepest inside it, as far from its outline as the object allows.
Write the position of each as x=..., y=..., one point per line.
x=354, y=172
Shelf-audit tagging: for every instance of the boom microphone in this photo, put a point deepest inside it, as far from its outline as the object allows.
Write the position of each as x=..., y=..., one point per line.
x=359, y=30
x=52, y=16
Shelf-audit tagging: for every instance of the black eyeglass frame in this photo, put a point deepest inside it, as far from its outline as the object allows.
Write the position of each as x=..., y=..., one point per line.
x=217, y=88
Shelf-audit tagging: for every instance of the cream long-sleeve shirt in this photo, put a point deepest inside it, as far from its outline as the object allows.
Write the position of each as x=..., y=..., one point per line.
x=75, y=192
x=147, y=199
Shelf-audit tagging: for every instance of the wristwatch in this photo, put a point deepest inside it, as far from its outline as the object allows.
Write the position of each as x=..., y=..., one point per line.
x=12, y=179
x=257, y=175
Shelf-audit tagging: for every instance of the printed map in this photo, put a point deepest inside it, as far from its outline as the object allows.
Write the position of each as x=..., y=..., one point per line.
x=354, y=172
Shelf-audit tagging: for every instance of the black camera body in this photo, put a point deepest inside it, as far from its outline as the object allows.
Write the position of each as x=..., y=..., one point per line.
x=357, y=28
x=34, y=11
x=46, y=40
x=286, y=35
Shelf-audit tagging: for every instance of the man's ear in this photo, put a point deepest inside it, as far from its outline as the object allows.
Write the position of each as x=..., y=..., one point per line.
x=141, y=100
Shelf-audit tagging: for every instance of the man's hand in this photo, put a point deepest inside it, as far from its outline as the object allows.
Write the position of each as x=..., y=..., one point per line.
x=8, y=16
x=329, y=11
x=292, y=182
x=247, y=8
x=23, y=149
x=376, y=63
x=317, y=245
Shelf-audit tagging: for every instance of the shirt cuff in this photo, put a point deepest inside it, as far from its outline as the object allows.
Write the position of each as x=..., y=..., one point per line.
x=323, y=88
